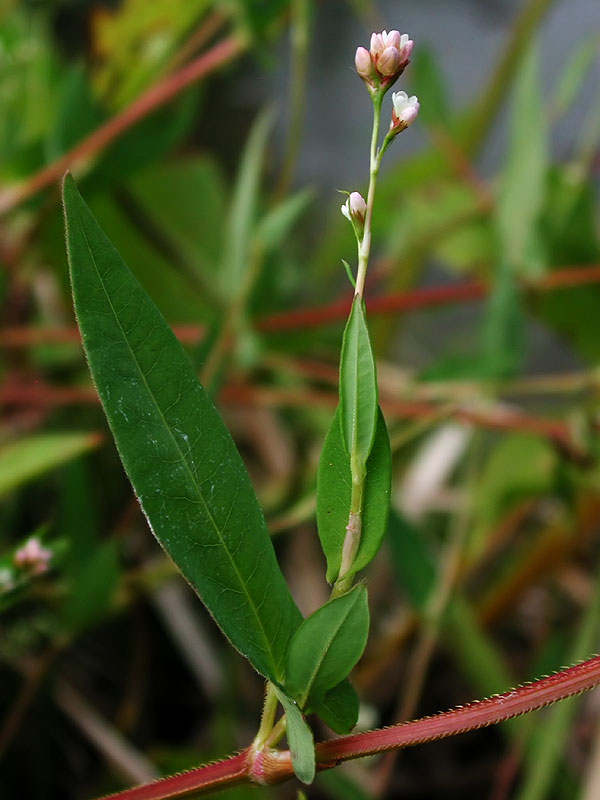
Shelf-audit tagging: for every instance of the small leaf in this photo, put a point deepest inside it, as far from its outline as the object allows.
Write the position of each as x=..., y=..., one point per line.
x=180, y=458
x=339, y=708
x=300, y=739
x=327, y=645
x=334, y=489
x=358, y=385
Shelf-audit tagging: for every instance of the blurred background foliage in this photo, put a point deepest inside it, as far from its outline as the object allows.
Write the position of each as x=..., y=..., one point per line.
x=208, y=137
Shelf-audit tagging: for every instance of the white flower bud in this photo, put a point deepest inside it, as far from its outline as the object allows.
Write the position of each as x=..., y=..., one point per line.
x=405, y=110
x=354, y=209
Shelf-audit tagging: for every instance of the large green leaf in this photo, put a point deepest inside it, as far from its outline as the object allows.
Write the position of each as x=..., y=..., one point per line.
x=358, y=385
x=339, y=708
x=182, y=462
x=326, y=646
x=300, y=739
x=334, y=489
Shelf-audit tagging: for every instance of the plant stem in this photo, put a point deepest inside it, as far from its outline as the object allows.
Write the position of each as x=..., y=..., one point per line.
x=267, y=718
x=364, y=249
x=480, y=714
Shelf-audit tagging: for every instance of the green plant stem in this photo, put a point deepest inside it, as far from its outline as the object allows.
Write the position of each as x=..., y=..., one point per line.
x=364, y=249
x=357, y=468
x=267, y=718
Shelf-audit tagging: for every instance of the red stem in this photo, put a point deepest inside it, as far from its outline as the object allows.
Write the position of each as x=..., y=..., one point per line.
x=480, y=714
x=210, y=776
x=154, y=97
x=426, y=297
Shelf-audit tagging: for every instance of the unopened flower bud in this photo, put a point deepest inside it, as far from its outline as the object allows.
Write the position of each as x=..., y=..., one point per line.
x=405, y=49
x=404, y=112
x=362, y=61
x=355, y=209
x=32, y=557
x=388, y=62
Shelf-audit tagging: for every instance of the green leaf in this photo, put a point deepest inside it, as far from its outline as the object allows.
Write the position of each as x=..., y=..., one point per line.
x=523, y=186
x=358, y=385
x=300, y=739
x=277, y=223
x=430, y=87
x=243, y=208
x=180, y=458
x=92, y=588
x=339, y=708
x=327, y=645
x=575, y=72
x=334, y=490
x=24, y=460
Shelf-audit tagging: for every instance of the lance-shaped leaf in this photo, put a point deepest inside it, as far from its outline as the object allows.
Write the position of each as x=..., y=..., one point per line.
x=326, y=646
x=300, y=739
x=180, y=458
x=358, y=385
x=334, y=490
x=339, y=708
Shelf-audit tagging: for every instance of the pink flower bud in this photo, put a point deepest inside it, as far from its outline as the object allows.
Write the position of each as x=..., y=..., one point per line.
x=377, y=46
x=394, y=39
x=388, y=62
x=362, y=61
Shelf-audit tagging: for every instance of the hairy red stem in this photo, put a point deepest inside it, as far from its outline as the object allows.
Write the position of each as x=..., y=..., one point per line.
x=154, y=97
x=210, y=777
x=480, y=714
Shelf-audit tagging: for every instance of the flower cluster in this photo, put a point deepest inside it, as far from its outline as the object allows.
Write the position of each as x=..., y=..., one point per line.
x=381, y=65
x=32, y=557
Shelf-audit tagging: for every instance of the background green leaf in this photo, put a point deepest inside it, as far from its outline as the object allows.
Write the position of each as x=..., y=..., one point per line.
x=327, y=645
x=25, y=459
x=334, y=489
x=182, y=462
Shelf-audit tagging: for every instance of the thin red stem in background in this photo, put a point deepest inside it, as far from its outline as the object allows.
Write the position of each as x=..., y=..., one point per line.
x=427, y=297
x=154, y=97
x=480, y=714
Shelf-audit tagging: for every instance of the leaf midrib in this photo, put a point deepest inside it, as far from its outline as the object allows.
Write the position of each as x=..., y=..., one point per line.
x=193, y=480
